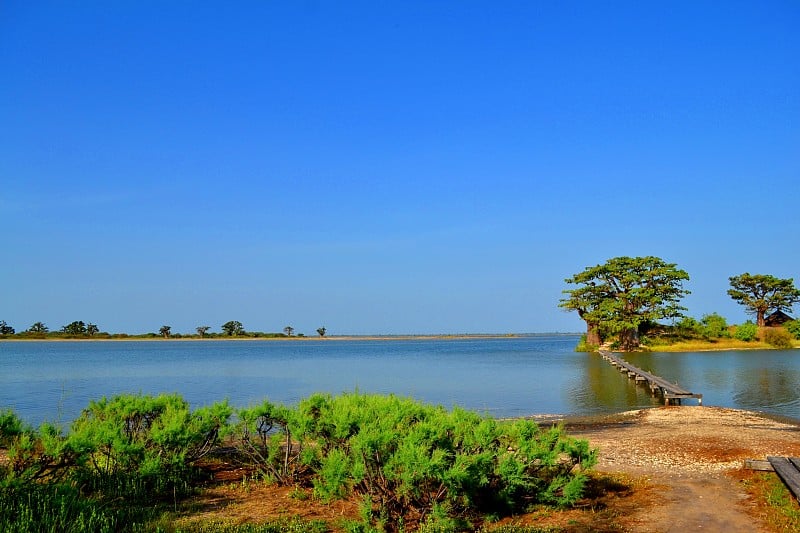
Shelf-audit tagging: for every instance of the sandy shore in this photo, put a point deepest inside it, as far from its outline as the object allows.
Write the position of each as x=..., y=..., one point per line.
x=692, y=454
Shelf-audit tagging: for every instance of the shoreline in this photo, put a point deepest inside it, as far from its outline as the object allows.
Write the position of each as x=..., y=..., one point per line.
x=442, y=336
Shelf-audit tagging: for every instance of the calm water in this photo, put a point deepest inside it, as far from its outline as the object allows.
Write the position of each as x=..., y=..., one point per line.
x=503, y=377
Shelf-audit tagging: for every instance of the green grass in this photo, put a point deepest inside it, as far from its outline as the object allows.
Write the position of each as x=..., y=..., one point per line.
x=777, y=505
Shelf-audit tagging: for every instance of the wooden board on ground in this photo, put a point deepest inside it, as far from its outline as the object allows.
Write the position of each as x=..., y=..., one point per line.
x=787, y=470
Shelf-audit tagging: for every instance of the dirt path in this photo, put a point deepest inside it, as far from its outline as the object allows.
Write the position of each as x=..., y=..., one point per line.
x=689, y=453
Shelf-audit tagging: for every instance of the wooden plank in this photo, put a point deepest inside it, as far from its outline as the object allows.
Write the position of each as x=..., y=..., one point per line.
x=758, y=464
x=788, y=473
x=795, y=461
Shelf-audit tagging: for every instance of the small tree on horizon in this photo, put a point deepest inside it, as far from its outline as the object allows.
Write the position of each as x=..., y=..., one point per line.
x=321, y=331
x=201, y=330
x=289, y=330
x=91, y=329
x=232, y=328
x=165, y=331
x=5, y=329
x=78, y=327
x=38, y=327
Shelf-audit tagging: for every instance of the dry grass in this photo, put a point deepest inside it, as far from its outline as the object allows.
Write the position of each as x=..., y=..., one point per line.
x=707, y=346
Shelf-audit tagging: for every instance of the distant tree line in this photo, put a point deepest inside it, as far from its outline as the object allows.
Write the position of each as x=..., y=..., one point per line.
x=81, y=329
x=626, y=297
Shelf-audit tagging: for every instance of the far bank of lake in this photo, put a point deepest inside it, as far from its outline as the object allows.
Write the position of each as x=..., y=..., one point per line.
x=502, y=376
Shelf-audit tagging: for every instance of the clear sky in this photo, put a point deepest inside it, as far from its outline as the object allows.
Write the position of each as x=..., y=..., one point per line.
x=387, y=167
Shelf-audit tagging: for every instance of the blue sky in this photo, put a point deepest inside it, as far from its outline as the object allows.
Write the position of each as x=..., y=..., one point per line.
x=387, y=167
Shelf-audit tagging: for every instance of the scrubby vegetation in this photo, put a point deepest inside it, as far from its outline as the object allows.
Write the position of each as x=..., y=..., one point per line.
x=410, y=465
x=713, y=332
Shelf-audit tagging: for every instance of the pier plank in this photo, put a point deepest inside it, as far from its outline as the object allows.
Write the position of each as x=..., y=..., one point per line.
x=788, y=472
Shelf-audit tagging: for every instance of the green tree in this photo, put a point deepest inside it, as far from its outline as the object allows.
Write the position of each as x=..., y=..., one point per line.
x=762, y=293
x=91, y=329
x=714, y=326
x=617, y=297
x=289, y=330
x=202, y=330
x=233, y=327
x=165, y=331
x=38, y=327
x=746, y=332
x=322, y=331
x=5, y=329
x=75, y=328
x=793, y=327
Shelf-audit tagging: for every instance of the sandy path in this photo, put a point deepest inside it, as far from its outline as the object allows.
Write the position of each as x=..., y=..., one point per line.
x=688, y=453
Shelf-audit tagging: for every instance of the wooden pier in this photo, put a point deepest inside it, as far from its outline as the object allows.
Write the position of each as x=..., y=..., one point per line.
x=671, y=392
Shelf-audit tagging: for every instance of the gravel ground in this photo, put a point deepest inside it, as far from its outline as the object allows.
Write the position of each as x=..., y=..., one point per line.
x=688, y=452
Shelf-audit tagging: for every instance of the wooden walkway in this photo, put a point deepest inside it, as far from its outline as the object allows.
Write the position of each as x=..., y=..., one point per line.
x=671, y=392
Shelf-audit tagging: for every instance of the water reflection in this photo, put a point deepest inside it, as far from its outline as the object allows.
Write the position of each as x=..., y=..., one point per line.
x=764, y=388
x=603, y=388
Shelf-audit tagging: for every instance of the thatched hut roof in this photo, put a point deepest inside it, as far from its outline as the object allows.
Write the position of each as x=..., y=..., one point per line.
x=778, y=318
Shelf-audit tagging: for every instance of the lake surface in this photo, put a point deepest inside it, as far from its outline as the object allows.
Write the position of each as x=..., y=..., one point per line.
x=503, y=377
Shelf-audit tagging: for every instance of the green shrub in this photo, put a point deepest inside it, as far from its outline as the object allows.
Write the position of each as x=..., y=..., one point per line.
x=714, y=326
x=688, y=327
x=141, y=445
x=778, y=337
x=11, y=427
x=408, y=458
x=263, y=437
x=410, y=464
x=793, y=327
x=746, y=332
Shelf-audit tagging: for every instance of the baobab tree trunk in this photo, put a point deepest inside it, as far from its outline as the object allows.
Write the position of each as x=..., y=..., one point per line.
x=630, y=339
x=760, y=321
x=593, y=334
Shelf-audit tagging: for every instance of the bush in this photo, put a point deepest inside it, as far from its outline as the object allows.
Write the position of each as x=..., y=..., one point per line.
x=409, y=464
x=778, y=337
x=407, y=458
x=793, y=327
x=714, y=326
x=264, y=438
x=141, y=446
x=11, y=427
x=688, y=327
x=746, y=332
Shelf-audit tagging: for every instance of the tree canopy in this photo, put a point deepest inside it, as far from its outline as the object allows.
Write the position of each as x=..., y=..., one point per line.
x=77, y=327
x=622, y=294
x=233, y=327
x=38, y=327
x=762, y=293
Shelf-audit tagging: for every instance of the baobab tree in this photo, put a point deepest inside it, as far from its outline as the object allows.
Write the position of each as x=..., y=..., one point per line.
x=617, y=297
x=762, y=293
